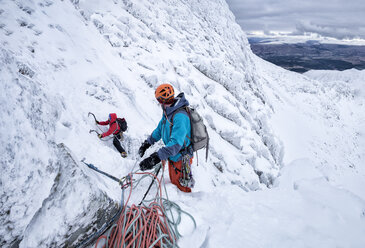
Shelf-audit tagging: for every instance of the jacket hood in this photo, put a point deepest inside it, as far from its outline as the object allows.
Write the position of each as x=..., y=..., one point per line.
x=180, y=101
x=112, y=117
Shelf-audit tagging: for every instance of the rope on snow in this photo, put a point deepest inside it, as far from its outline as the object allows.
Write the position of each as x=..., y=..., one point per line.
x=153, y=222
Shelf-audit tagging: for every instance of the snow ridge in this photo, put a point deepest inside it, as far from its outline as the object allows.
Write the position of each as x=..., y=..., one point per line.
x=60, y=60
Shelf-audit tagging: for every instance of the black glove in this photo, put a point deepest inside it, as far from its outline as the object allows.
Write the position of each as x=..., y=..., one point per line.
x=97, y=122
x=149, y=162
x=100, y=136
x=145, y=145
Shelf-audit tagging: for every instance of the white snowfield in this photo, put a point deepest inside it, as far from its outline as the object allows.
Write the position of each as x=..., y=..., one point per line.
x=287, y=151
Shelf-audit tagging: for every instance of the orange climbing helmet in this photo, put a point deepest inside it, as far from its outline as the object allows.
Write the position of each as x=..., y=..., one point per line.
x=165, y=94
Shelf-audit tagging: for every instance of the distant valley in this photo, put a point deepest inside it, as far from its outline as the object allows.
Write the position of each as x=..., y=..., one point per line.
x=311, y=55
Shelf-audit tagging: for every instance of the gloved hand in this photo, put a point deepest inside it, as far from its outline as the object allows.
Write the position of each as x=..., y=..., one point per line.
x=149, y=162
x=97, y=122
x=145, y=145
x=100, y=136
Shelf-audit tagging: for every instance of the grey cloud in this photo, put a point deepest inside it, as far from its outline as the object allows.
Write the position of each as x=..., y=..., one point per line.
x=331, y=18
x=331, y=31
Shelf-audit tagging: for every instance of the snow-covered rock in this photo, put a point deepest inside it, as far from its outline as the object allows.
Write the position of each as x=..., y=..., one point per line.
x=60, y=60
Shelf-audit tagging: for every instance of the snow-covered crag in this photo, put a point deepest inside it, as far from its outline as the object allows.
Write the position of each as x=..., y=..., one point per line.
x=61, y=59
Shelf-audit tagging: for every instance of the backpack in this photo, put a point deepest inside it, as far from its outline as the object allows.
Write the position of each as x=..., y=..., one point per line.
x=122, y=123
x=199, y=134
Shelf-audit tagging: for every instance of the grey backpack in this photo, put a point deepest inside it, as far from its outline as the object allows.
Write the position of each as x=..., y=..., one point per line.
x=199, y=134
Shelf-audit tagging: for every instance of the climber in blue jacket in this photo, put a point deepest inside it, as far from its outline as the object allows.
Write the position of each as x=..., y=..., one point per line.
x=175, y=131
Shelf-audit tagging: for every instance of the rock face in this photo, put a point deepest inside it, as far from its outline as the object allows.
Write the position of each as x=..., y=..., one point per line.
x=61, y=59
x=52, y=224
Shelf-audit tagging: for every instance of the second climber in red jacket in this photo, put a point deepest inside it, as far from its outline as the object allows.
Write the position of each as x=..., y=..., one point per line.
x=116, y=128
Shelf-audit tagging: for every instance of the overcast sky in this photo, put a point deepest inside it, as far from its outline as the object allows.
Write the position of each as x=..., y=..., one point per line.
x=330, y=18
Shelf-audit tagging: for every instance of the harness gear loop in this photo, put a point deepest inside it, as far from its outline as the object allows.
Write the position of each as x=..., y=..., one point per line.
x=186, y=179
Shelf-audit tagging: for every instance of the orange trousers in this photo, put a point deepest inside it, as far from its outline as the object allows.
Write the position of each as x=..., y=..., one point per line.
x=175, y=175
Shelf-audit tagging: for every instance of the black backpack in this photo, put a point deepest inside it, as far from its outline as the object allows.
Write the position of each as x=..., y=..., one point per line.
x=199, y=134
x=122, y=123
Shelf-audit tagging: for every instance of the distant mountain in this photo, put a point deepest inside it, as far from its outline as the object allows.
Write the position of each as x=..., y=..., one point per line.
x=311, y=55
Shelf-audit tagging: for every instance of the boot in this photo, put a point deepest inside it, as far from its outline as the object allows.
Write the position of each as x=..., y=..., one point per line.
x=123, y=154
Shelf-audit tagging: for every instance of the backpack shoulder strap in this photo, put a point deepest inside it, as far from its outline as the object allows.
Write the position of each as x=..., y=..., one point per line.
x=116, y=122
x=185, y=108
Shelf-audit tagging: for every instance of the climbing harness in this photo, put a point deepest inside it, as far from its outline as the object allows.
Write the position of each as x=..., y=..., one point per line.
x=152, y=223
x=120, y=136
x=187, y=179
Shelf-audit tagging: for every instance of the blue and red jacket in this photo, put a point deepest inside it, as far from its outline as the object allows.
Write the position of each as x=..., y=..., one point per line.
x=180, y=132
x=113, y=128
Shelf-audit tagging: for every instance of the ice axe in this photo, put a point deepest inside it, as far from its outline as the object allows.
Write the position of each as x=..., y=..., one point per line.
x=93, y=116
x=92, y=130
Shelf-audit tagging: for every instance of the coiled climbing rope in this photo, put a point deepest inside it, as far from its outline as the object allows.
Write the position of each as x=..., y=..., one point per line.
x=152, y=223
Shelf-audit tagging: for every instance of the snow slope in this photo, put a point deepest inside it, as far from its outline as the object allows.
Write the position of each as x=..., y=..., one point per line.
x=284, y=149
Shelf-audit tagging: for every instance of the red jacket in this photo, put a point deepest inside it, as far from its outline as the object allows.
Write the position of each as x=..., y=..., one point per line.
x=113, y=128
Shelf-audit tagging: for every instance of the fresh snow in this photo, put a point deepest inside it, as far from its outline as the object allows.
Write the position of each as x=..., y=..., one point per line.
x=287, y=151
